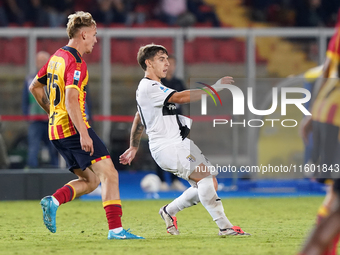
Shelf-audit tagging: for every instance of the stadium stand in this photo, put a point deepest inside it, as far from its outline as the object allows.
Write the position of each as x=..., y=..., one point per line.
x=231, y=13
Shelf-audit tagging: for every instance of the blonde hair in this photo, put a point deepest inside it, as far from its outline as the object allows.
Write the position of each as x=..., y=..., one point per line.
x=78, y=20
x=148, y=52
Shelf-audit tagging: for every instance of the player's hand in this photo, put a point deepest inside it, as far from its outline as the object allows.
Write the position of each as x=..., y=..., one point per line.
x=305, y=128
x=86, y=144
x=224, y=80
x=128, y=156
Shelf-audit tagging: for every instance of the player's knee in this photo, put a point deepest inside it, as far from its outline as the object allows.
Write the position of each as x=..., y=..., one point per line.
x=110, y=174
x=113, y=175
x=105, y=170
x=94, y=184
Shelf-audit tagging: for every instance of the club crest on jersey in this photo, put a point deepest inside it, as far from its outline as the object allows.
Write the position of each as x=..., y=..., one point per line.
x=76, y=75
x=191, y=158
x=163, y=89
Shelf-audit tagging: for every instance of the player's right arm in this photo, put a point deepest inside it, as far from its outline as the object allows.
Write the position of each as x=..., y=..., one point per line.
x=73, y=110
x=37, y=90
x=135, y=136
x=75, y=74
x=194, y=95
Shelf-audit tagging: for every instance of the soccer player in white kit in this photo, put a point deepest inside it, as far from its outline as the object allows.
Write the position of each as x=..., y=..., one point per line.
x=168, y=144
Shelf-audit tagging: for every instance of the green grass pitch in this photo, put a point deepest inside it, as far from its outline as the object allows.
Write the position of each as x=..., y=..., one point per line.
x=277, y=225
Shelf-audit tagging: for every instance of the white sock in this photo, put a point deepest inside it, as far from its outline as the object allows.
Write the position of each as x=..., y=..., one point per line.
x=55, y=201
x=187, y=199
x=212, y=203
x=116, y=230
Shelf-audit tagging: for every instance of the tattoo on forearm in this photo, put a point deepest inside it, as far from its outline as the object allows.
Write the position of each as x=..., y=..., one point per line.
x=140, y=128
x=45, y=100
x=136, y=135
x=35, y=83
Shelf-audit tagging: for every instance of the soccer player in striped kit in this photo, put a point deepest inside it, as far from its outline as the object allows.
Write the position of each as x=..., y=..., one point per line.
x=66, y=77
x=325, y=124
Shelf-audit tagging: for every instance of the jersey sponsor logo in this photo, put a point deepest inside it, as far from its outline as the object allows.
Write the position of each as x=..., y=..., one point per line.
x=76, y=75
x=171, y=106
x=164, y=89
x=191, y=158
x=169, y=109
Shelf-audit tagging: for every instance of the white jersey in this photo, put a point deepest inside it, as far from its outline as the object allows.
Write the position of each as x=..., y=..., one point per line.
x=159, y=117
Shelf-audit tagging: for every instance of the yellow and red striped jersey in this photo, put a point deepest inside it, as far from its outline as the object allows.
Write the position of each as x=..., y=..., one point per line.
x=333, y=53
x=326, y=108
x=65, y=69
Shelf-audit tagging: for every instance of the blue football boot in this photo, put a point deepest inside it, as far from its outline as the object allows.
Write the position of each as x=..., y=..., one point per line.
x=49, y=213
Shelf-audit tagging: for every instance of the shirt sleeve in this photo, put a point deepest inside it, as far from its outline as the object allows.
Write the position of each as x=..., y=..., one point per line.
x=159, y=93
x=75, y=75
x=42, y=74
x=333, y=46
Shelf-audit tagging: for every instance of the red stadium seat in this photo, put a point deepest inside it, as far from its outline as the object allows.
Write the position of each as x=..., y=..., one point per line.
x=121, y=51
x=2, y=45
x=206, y=50
x=142, y=25
x=189, y=52
x=28, y=24
x=40, y=44
x=156, y=24
x=100, y=25
x=140, y=41
x=15, y=51
x=117, y=25
x=242, y=50
x=203, y=24
x=54, y=44
x=228, y=51
x=166, y=42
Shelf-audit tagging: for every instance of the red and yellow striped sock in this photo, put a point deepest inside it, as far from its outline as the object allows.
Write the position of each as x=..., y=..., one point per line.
x=323, y=212
x=65, y=194
x=113, y=209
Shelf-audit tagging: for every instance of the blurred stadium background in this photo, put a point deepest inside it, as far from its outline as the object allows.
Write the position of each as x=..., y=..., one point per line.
x=258, y=42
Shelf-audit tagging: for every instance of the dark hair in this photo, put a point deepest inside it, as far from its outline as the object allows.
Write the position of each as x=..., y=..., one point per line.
x=148, y=52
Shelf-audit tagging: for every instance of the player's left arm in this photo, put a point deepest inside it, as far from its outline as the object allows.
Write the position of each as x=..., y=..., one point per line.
x=194, y=95
x=37, y=90
x=135, y=136
x=136, y=131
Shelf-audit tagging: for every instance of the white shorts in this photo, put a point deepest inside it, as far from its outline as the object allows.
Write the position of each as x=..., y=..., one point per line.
x=182, y=159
